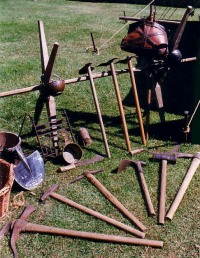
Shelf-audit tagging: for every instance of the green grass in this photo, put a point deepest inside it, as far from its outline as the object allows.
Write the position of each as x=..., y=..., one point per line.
x=70, y=24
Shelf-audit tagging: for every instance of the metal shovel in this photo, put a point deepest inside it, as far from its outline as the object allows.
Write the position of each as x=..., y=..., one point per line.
x=23, y=176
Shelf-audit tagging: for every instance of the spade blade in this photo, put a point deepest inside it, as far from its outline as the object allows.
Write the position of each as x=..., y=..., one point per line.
x=24, y=178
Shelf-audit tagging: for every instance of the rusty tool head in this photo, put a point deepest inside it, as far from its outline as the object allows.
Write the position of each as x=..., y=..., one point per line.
x=48, y=192
x=164, y=156
x=19, y=226
x=125, y=163
x=84, y=69
x=83, y=175
x=108, y=63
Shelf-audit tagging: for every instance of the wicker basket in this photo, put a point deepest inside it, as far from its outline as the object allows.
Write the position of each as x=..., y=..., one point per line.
x=6, y=182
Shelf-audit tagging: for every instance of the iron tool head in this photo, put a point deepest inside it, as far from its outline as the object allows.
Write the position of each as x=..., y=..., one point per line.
x=108, y=63
x=84, y=69
x=48, y=192
x=125, y=163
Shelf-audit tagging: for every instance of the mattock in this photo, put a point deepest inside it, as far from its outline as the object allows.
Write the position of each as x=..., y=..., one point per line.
x=51, y=193
x=22, y=225
x=138, y=164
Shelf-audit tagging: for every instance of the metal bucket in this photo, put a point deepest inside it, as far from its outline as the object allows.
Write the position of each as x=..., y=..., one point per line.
x=8, y=144
x=72, y=152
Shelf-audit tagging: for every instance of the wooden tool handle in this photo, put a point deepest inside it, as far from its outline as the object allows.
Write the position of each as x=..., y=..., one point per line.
x=121, y=110
x=96, y=102
x=98, y=215
x=188, y=177
x=66, y=168
x=137, y=104
x=114, y=201
x=161, y=218
x=147, y=195
x=30, y=227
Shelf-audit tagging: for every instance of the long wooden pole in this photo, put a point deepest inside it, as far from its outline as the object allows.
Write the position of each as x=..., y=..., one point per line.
x=114, y=201
x=31, y=227
x=98, y=112
x=137, y=104
x=121, y=110
x=97, y=75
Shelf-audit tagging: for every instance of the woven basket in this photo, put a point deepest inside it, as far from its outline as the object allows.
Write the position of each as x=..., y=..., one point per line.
x=6, y=182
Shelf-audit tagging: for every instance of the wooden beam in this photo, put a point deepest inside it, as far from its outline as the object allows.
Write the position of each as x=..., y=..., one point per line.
x=126, y=18
x=67, y=81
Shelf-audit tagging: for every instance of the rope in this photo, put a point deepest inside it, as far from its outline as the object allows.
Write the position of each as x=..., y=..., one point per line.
x=123, y=26
x=18, y=200
x=195, y=110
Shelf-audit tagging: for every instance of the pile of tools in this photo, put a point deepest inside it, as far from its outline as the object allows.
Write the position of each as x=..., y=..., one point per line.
x=22, y=225
x=55, y=138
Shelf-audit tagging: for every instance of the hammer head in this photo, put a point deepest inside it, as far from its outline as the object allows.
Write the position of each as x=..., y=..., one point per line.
x=48, y=192
x=125, y=163
x=163, y=156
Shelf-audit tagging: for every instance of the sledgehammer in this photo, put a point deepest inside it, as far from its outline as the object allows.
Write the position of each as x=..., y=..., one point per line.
x=165, y=158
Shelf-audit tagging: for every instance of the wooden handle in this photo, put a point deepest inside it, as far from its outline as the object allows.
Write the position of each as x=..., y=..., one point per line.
x=147, y=195
x=98, y=112
x=30, y=227
x=121, y=110
x=161, y=219
x=188, y=177
x=43, y=47
x=138, y=110
x=66, y=168
x=98, y=215
x=114, y=201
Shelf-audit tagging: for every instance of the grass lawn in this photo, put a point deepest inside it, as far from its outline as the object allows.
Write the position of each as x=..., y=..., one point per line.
x=70, y=23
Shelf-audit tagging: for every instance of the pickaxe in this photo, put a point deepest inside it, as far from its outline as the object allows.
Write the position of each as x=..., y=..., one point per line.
x=138, y=164
x=22, y=225
x=89, y=175
x=51, y=193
